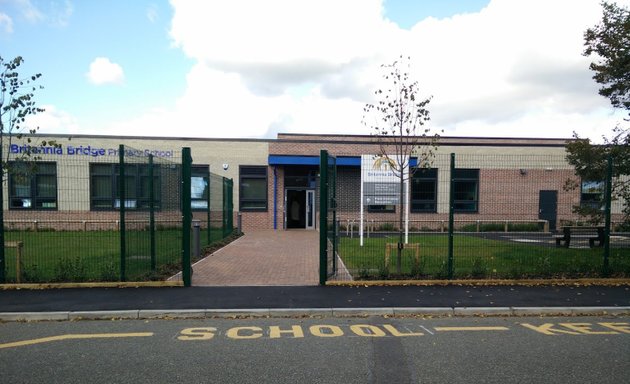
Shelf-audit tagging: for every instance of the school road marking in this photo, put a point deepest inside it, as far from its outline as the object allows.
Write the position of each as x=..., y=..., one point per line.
x=295, y=331
x=74, y=337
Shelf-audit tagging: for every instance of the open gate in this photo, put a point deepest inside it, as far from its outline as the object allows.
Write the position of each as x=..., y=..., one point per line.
x=328, y=228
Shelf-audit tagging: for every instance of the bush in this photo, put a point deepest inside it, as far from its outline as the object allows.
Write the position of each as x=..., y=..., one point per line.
x=479, y=268
x=31, y=274
x=383, y=271
x=364, y=272
x=442, y=273
x=386, y=227
x=109, y=272
x=70, y=270
x=418, y=267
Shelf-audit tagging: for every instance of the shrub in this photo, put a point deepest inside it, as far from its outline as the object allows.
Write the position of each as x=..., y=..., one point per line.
x=418, y=267
x=479, y=268
x=383, y=271
x=70, y=270
x=442, y=273
x=109, y=272
x=31, y=274
x=386, y=227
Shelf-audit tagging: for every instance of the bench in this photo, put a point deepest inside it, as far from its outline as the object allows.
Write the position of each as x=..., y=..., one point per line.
x=18, y=245
x=591, y=233
x=390, y=246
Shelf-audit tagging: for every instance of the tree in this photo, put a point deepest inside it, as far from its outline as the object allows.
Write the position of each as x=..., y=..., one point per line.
x=609, y=43
x=17, y=103
x=398, y=122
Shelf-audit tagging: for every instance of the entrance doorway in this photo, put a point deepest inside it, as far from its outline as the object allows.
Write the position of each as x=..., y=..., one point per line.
x=548, y=207
x=299, y=208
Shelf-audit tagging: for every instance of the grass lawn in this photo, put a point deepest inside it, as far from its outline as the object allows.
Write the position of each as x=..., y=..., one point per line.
x=478, y=257
x=66, y=256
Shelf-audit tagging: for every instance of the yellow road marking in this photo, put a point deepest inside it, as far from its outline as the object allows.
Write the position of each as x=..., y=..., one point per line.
x=74, y=337
x=465, y=329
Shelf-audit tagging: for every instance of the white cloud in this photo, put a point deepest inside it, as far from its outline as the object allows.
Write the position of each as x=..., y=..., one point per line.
x=6, y=23
x=103, y=71
x=29, y=11
x=152, y=13
x=513, y=69
x=53, y=120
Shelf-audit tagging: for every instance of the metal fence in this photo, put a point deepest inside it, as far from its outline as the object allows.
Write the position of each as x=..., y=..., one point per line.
x=100, y=215
x=479, y=216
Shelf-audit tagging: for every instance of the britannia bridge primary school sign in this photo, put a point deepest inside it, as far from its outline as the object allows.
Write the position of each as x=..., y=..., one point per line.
x=86, y=150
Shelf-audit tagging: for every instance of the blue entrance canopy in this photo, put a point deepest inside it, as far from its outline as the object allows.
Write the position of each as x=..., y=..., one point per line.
x=352, y=161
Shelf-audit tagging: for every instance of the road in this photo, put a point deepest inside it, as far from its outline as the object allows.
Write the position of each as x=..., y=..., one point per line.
x=319, y=350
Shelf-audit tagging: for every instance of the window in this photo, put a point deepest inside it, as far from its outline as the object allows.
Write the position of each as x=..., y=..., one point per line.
x=466, y=191
x=592, y=194
x=105, y=186
x=33, y=186
x=389, y=208
x=199, y=187
x=424, y=190
x=253, y=188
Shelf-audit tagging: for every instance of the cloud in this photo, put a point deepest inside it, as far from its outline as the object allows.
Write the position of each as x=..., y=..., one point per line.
x=152, y=13
x=59, y=15
x=29, y=11
x=54, y=13
x=514, y=68
x=6, y=23
x=53, y=120
x=103, y=71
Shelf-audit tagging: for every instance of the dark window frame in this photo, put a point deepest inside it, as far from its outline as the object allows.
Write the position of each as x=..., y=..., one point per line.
x=136, y=200
x=466, y=179
x=246, y=172
x=33, y=188
x=430, y=175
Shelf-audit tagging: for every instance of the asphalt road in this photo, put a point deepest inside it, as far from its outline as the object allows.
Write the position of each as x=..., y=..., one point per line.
x=319, y=350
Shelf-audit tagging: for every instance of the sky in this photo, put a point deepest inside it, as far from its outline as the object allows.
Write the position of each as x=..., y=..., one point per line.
x=251, y=69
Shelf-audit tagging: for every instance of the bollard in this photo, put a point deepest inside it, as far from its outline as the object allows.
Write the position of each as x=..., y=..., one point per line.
x=196, y=238
x=239, y=223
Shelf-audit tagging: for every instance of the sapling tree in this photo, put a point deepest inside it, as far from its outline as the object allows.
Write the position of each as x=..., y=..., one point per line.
x=398, y=122
x=17, y=104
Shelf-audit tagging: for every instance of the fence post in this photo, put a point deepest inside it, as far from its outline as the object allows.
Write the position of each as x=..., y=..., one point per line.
x=196, y=238
x=152, y=213
x=209, y=232
x=121, y=200
x=186, y=215
x=230, y=206
x=2, y=254
x=608, y=197
x=224, y=223
x=451, y=217
x=323, y=216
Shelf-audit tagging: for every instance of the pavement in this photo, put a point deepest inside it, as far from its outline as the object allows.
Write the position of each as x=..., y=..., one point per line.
x=449, y=300
x=262, y=258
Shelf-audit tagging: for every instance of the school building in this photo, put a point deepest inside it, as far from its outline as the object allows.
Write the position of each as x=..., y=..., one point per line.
x=276, y=183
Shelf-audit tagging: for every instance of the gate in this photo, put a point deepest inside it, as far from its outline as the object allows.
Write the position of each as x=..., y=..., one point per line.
x=328, y=239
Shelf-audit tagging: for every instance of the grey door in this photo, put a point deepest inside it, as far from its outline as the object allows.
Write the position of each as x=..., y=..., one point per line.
x=548, y=207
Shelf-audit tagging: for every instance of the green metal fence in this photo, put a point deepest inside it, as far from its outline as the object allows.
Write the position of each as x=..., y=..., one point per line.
x=103, y=215
x=482, y=216
x=328, y=239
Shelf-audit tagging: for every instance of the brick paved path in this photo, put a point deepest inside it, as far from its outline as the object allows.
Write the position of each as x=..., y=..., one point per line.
x=263, y=258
